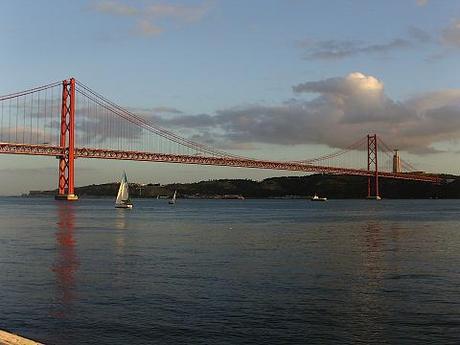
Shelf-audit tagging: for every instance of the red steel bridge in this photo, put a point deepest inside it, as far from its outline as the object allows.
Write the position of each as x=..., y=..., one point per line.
x=68, y=120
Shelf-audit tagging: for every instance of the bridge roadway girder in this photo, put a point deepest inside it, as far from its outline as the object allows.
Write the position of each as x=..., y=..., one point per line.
x=47, y=150
x=34, y=150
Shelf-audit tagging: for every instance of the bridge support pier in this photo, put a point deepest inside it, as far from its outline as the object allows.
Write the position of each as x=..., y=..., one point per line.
x=67, y=143
x=372, y=162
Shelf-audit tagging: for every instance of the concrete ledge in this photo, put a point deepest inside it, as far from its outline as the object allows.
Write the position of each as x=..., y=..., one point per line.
x=13, y=339
x=67, y=197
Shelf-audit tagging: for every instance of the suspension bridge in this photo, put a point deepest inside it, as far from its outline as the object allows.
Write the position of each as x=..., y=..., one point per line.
x=69, y=120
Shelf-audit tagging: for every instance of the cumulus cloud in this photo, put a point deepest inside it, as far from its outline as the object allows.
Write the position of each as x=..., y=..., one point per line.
x=344, y=109
x=152, y=18
x=351, y=84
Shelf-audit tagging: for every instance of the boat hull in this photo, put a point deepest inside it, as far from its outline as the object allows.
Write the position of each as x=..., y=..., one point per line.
x=317, y=198
x=124, y=206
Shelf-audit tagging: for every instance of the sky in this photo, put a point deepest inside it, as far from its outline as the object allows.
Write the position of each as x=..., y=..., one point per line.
x=275, y=79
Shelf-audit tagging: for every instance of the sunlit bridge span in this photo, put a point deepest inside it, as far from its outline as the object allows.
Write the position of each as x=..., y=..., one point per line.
x=69, y=120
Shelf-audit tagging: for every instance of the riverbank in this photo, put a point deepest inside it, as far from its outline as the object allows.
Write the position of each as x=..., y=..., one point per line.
x=7, y=338
x=289, y=187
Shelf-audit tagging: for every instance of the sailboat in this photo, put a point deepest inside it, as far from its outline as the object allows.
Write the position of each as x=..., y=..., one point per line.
x=123, y=200
x=173, y=200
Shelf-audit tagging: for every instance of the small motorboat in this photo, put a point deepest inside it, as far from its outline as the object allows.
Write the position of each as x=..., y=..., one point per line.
x=318, y=198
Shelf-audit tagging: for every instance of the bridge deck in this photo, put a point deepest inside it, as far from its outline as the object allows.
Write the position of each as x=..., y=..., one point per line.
x=45, y=150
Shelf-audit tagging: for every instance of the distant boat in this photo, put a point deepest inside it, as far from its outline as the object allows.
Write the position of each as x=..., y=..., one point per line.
x=173, y=200
x=123, y=200
x=317, y=198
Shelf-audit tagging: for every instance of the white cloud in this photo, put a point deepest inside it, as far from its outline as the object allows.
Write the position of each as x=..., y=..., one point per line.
x=353, y=83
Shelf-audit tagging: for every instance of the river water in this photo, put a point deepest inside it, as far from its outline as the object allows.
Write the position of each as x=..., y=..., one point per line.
x=231, y=271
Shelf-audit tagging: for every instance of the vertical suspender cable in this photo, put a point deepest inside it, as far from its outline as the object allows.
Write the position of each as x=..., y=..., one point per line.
x=24, y=119
x=17, y=107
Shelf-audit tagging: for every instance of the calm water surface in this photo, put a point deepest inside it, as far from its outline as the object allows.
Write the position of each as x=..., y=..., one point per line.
x=231, y=272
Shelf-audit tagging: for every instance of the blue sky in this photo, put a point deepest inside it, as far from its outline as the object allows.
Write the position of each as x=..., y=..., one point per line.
x=227, y=58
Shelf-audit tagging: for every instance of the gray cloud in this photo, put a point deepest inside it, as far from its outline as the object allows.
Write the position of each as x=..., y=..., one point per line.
x=169, y=110
x=344, y=109
x=336, y=49
x=341, y=49
x=25, y=135
x=445, y=41
x=433, y=100
x=93, y=129
x=146, y=112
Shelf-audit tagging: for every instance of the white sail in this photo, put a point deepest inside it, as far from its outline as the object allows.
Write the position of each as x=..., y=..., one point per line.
x=123, y=191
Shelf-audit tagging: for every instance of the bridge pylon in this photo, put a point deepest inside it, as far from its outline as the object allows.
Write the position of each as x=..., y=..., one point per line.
x=67, y=143
x=372, y=166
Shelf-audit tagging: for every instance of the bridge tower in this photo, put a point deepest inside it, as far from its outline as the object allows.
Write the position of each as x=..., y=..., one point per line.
x=67, y=143
x=372, y=165
x=396, y=162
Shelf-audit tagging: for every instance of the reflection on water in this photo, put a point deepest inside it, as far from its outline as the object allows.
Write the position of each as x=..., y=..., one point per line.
x=373, y=251
x=120, y=226
x=367, y=294
x=120, y=220
x=66, y=262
